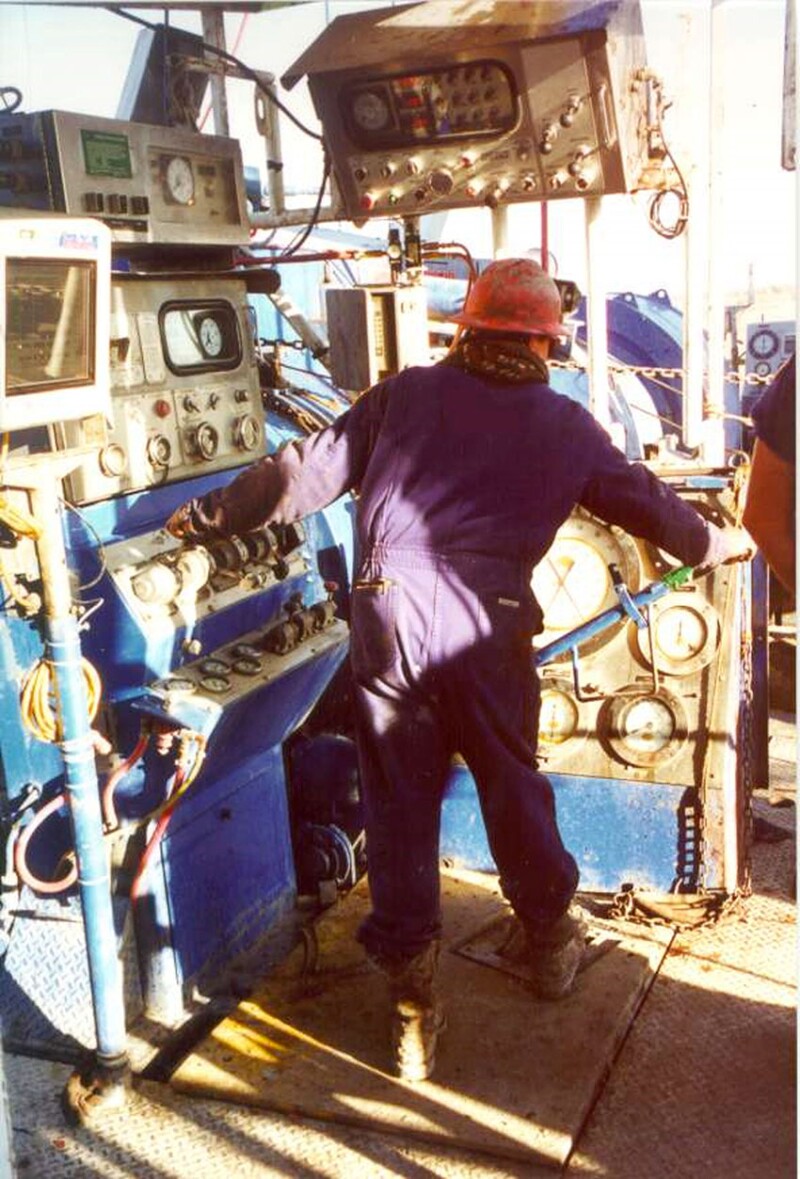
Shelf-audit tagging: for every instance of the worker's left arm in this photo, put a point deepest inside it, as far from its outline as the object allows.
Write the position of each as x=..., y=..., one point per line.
x=304, y=476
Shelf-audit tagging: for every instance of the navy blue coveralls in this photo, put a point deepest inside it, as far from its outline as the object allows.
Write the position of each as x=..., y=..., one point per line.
x=462, y=484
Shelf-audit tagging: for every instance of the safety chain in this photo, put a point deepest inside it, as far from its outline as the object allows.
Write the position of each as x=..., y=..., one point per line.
x=642, y=910
x=664, y=373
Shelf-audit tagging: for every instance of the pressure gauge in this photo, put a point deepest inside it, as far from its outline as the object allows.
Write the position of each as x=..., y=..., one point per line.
x=370, y=110
x=247, y=666
x=216, y=684
x=246, y=651
x=685, y=634
x=558, y=717
x=209, y=333
x=572, y=583
x=763, y=343
x=179, y=180
x=214, y=667
x=644, y=728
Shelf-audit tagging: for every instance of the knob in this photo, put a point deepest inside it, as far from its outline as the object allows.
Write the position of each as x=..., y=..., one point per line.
x=412, y=167
x=367, y=201
x=190, y=405
x=567, y=117
x=194, y=567
x=441, y=181
x=388, y=169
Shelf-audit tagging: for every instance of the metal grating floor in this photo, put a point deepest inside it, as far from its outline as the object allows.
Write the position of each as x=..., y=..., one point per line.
x=704, y=1084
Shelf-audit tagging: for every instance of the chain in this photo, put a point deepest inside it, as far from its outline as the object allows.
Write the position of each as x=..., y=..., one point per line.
x=670, y=374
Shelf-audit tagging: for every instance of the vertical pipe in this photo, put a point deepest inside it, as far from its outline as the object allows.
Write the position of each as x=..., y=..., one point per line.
x=64, y=651
x=596, y=325
x=500, y=231
x=714, y=427
x=214, y=32
x=544, y=235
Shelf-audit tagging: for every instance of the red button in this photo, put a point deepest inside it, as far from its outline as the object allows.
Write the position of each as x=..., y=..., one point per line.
x=162, y=408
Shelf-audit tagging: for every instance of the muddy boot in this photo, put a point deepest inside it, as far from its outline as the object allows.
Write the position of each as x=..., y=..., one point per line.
x=417, y=1016
x=555, y=955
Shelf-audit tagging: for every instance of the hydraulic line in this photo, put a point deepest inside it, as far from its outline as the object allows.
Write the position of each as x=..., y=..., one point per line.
x=50, y=887
x=110, y=817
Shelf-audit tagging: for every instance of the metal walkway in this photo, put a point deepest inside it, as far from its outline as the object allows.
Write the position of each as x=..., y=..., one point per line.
x=703, y=1084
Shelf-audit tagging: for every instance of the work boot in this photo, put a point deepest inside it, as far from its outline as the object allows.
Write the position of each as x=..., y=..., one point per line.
x=417, y=1016
x=555, y=954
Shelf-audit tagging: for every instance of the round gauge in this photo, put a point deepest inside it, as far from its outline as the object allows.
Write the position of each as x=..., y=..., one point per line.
x=209, y=333
x=246, y=666
x=177, y=684
x=558, y=717
x=179, y=180
x=370, y=111
x=572, y=582
x=685, y=634
x=215, y=683
x=763, y=343
x=246, y=651
x=763, y=368
x=644, y=729
x=214, y=667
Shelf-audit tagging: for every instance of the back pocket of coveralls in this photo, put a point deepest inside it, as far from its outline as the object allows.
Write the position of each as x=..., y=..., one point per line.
x=373, y=627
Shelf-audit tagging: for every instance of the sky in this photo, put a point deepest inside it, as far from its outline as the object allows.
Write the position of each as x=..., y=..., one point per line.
x=76, y=58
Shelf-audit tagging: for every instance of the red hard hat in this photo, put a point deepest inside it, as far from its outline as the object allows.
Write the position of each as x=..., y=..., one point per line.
x=513, y=295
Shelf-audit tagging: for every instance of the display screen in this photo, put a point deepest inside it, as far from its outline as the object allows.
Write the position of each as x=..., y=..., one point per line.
x=106, y=153
x=473, y=98
x=49, y=324
x=200, y=335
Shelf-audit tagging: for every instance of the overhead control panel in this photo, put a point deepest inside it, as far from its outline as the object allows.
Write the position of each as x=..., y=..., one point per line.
x=185, y=398
x=553, y=104
x=149, y=184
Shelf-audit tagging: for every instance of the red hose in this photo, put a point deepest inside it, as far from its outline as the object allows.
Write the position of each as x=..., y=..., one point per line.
x=21, y=846
x=107, y=798
x=156, y=837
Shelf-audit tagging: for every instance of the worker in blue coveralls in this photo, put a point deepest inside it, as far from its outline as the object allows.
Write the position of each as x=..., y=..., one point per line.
x=464, y=472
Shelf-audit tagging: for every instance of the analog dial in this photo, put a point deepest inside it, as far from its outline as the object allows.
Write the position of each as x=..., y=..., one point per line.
x=763, y=344
x=644, y=728
x=213, y=667
x=685, y=634
x=217, y=684
x=210, y=335
x=370, y=110
x=558, y=717
x=177, y=684
x=179, y=180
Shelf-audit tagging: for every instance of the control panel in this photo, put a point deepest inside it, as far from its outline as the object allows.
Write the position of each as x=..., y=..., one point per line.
x=769, y=345
x=162, y=580
x=553, y=105
x=185, y=395
x=149, y=184
x=634, y=702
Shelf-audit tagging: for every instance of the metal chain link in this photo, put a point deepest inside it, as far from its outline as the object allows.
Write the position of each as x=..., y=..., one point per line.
x=665, y=373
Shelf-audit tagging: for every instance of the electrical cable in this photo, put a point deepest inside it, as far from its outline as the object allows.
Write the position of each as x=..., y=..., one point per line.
x=655, y=212
x=110, y=817
x=99, y=547
x=38, y=713
x=295, y=245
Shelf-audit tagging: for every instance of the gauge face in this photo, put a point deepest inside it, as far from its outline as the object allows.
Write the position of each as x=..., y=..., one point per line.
x=643, y=728
x=247, y=666
x=215, y=683
x=572, y=583
x=213, y=667
x=558, y=717
x=685, y=634
x=763, y=343
x=209, y=333
x=246, y=651
x=370, y=111
x=179, y=180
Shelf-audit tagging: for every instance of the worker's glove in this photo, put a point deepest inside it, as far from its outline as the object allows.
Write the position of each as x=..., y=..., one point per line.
x=726, y=546
x=189, y=523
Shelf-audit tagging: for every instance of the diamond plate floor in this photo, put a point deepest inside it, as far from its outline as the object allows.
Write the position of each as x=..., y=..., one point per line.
x=704, y=1084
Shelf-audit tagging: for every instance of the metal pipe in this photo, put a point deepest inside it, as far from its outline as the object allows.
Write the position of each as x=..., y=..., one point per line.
x=213, y=23
x=596, y=320
x=62, y=644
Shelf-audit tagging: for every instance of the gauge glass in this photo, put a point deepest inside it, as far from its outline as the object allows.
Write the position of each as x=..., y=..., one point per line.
x=215, y=683
x=764, y=343
x=558, y=717
x=247, y=666
x=179, y=180
x=685, y=634
x=681, y=633
x=210, y=336
x=647, y=725
x=370, y=111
